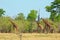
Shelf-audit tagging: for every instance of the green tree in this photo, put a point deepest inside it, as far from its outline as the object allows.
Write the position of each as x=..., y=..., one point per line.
x=1, y=12
x=20, y=19
x=20, y=16
x=54, y=9
x=31, y=17
x=5, y=25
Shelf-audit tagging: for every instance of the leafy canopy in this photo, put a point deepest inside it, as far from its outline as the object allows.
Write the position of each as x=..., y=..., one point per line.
x=32, y=15
x=1, y=12
x=54, y=9
x=20, y=16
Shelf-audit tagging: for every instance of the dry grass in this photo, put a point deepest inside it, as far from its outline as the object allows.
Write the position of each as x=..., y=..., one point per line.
x=29, y=36
x=36, y=36
x=8, y=36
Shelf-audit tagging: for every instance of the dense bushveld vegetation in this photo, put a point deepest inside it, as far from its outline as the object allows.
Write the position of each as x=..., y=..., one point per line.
x=28, y=24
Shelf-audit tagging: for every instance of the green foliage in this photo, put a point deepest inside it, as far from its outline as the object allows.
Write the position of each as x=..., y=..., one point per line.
x=48, y=8
x=25, y=26
x=1, y=12
x=32, y=15
x=5, y=25
x=54, y=9
x=20, y=16
x=58, y=18
x=56, y=2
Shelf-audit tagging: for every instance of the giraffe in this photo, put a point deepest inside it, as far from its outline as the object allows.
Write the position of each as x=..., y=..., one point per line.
x=14, y=25
x=48, y=26
x=39, y=27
